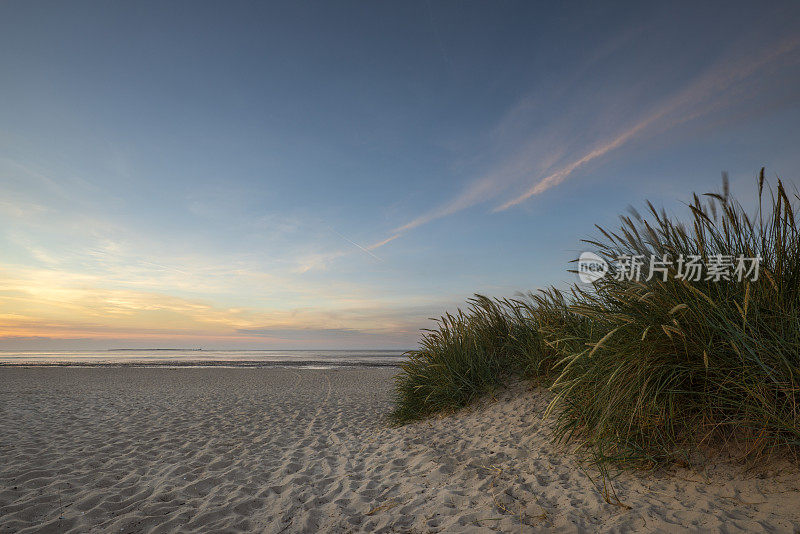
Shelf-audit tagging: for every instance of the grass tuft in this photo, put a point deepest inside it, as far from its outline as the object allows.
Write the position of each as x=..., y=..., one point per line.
x=644, y=372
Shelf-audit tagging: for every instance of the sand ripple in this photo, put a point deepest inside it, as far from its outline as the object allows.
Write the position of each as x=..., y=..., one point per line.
x=300, y=450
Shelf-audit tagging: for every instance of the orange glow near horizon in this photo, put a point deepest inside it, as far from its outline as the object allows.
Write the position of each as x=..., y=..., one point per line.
x=61, y=305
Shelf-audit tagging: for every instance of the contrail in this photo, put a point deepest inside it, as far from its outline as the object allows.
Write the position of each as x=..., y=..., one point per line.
x=366, y=250
x=381, y=243
x=562, y=174
x=717, y=81
x=705, y=94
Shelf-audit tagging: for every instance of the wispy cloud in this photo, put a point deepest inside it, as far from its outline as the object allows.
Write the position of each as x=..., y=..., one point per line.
x=46, y=303
x=383, y=242
x=696, y=100
x=316, y=261
x=719, y=87
x=469, y=197
x=563, y=173
x=307, y=334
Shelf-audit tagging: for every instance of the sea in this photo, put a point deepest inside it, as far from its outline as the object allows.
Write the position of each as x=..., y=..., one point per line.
x=205, y=358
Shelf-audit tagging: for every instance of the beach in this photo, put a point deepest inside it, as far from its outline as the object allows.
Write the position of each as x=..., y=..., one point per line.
x=122, y=449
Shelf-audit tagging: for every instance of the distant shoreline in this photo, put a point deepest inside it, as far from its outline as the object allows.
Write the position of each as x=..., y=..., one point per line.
x=151, y=350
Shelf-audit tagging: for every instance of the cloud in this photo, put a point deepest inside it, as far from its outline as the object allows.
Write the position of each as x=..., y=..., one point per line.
x=469, y=197
x=306, y=334
x=563, y=173
x=58, y=304
x=696, y=100
x=316, y=262
x=719, y=87
x=383, y=242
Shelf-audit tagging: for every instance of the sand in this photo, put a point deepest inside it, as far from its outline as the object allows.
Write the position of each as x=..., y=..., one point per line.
x=305, y=450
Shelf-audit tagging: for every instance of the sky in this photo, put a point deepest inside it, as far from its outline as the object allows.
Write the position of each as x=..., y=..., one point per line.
x=309, y=175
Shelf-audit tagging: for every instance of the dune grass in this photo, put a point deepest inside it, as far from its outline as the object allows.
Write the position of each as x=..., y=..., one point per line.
x=473, y=352
x=649, y=371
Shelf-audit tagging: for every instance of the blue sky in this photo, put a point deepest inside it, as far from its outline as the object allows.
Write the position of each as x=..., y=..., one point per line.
x=307, y=175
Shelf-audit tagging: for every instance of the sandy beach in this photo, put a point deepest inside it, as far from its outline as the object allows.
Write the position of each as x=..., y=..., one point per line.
x=306, y=450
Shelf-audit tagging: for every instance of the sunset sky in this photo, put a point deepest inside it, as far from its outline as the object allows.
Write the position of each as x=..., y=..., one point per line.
x=331, y=174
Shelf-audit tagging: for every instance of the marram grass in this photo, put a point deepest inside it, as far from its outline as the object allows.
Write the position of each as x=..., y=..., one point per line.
x=643, y=372
x=473, y=352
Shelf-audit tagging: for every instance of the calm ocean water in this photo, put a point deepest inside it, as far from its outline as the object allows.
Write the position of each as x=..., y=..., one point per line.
x=180, y=358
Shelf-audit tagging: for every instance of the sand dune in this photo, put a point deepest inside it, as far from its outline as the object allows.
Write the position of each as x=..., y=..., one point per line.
x=301, y=450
